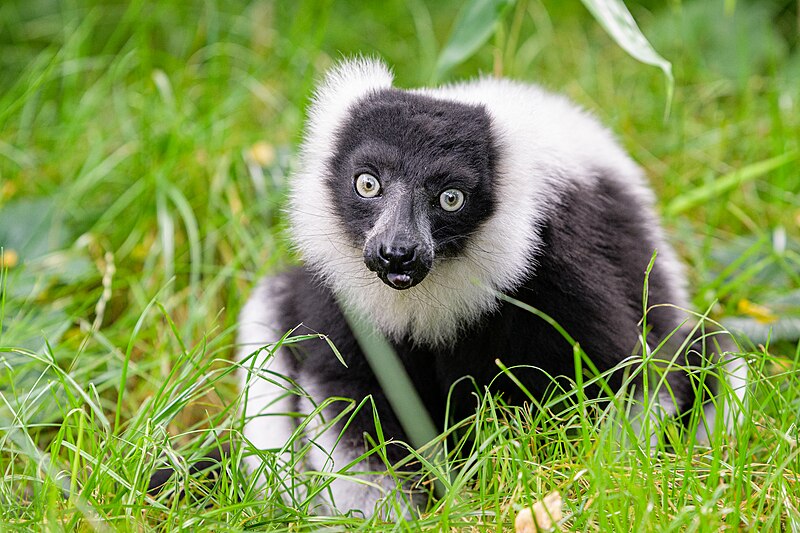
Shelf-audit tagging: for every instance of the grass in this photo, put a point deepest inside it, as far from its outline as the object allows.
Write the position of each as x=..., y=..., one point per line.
x=144, y=149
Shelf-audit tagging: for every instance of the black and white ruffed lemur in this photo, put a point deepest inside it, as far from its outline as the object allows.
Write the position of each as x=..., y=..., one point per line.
x=416, y=208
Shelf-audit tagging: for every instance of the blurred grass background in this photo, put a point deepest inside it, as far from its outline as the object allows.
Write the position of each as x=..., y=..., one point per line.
x=144, y=148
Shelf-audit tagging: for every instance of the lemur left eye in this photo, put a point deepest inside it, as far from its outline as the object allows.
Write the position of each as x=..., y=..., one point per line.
x=367, y=185
x=451, y=200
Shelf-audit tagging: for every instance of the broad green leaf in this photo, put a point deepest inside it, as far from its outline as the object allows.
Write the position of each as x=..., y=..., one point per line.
x=394, y=380
x=396, y=384
x=776, y=317
x=474, y=24
x=34, y=233
x=615, y=18
x=31, y=227
x=758, y=332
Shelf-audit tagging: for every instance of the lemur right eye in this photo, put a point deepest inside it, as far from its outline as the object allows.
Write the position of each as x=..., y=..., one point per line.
x=451, y=200
x=367, y=185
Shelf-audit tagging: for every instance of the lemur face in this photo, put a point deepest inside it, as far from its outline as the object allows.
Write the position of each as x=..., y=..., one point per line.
x=412, y=178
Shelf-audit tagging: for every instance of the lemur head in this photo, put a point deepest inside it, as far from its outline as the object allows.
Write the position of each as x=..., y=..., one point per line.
x=416, y=206
x=410, y=179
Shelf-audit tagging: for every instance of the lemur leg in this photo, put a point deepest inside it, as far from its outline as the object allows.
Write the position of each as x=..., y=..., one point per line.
x=339, y=448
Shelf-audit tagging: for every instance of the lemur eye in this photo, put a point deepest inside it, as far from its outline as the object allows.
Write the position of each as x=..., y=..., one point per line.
x=367, y=185
x=451, y=200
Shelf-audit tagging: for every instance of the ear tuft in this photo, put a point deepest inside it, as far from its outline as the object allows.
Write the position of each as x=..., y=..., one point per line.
x=344, y=84
x=356, y=75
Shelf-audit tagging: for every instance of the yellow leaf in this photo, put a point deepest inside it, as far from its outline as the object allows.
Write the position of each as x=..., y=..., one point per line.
x=263, y=153
x=8, y=190
x=761, y=313
x=9, y=259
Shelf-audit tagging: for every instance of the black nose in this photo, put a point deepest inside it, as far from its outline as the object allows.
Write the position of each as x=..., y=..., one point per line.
x=397, y=258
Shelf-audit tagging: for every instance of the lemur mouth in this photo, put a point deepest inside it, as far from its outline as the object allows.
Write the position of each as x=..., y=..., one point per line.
x=399, y=281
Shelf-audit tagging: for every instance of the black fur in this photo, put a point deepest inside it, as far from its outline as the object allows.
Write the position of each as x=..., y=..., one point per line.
x=421, y=143
x=209, y=465
x=589, y=277
x=587, y=273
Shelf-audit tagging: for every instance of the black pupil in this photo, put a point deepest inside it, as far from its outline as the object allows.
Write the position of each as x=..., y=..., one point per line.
x=450, y=198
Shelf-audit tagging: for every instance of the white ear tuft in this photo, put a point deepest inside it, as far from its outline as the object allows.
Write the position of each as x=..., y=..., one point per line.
x=357, y=74
x=344, y=84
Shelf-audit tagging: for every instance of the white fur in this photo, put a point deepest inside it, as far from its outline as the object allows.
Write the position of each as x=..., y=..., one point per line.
x=658, y=408
x=263, y=378
x=731, y=396
x=270, y=416
x=353, y=488
x=546, y=144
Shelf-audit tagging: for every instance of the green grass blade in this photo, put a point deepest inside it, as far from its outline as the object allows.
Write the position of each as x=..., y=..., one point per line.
x=727, y=182
x=395, y=382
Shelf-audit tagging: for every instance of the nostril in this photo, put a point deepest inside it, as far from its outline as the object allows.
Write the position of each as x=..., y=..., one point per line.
x=397, y=256
x=383, y=254
x=407, y=255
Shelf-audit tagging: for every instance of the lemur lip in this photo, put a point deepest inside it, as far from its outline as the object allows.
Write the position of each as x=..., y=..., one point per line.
x=399, y=281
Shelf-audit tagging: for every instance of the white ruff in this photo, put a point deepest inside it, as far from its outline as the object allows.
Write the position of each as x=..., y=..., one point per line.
x=264, y=379
x=545, y=144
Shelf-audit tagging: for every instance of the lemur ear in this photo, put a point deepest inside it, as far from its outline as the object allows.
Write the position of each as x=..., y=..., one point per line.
x=344, y=84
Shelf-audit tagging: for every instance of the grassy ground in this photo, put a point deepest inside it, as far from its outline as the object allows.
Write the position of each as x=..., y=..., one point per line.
x=143, y=154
